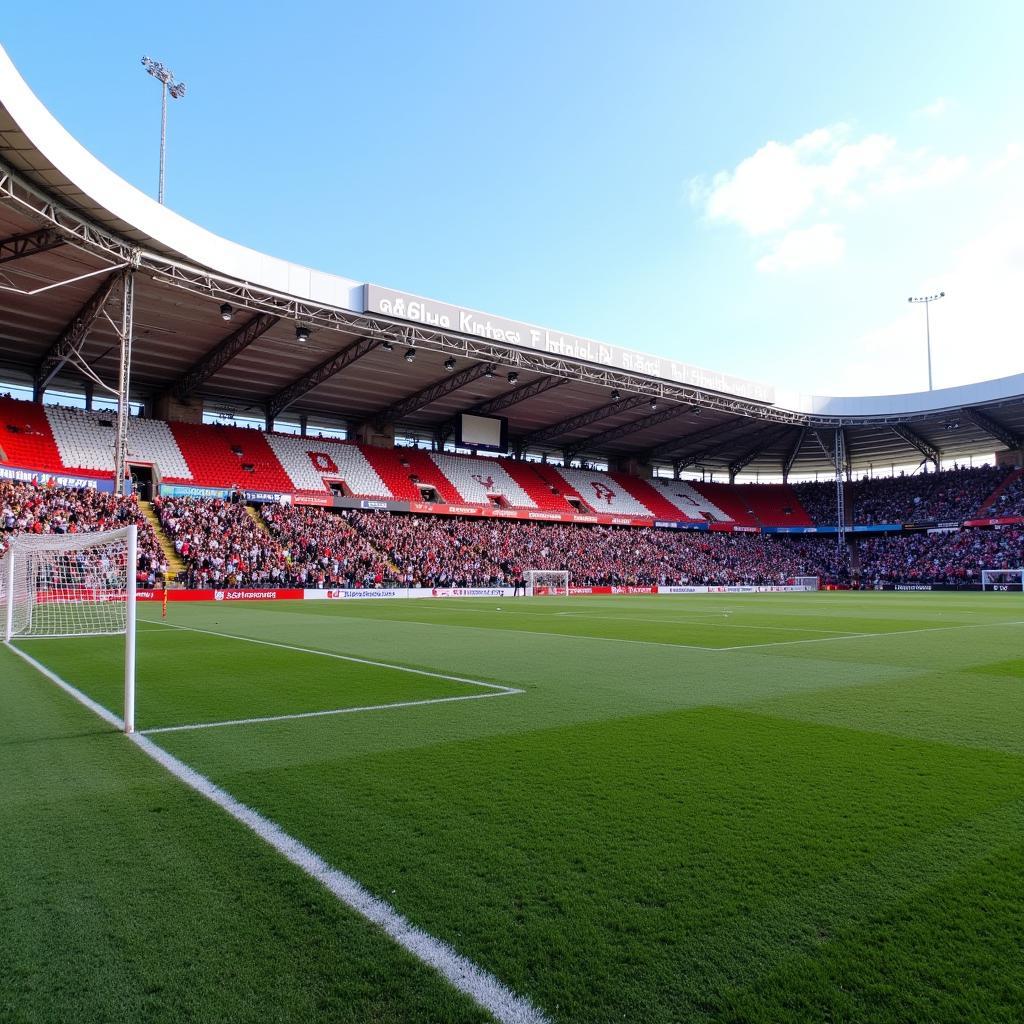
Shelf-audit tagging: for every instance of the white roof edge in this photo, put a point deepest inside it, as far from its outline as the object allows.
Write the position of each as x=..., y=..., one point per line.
x=198, y=245
x=169, y=229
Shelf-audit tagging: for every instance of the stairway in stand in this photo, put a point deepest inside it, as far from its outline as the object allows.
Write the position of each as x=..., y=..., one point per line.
x=174, y=562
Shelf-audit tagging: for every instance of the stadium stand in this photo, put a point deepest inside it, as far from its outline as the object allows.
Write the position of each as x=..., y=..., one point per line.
x=540, y=491
x=31, y=508
x=1007, y=499
x=686, y=502
x=602, y=493
x=85, y=441
x=312, y=462
x=26, y=440
x=407, y=471
x=222, y=456
x=480, y=480
x=947, y=557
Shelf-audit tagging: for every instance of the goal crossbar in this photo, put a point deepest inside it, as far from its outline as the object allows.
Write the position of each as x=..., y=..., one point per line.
x=1002, y=579
x=73, y=585
x=547, y=582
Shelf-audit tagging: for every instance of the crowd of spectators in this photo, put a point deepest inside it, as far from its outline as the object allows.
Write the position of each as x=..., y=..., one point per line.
x=323, y=550
x=954, y=556
x=951, y=495
x=1011, y=501
x=451, y=552
x=27, y=507
x=221, y=545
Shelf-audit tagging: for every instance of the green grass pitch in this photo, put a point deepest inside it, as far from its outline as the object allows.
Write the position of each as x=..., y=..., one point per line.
x=797, y=807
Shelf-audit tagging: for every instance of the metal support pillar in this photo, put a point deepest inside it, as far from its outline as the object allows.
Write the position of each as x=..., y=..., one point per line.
x=840, y=461
x=303, y=425
x=124, y=381
x=90, y=389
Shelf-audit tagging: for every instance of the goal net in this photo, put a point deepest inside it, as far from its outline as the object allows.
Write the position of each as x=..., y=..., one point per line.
x=547, y=582
x=807, y=582
x=1002, y=579
x=73, y=585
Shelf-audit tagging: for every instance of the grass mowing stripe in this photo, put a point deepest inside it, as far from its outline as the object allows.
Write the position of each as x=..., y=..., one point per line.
x=98, y=709
x=325, y=714
x=346, y=657
x=482, y=987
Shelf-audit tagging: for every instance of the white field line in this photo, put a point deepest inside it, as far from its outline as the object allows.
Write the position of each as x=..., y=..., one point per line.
x=710, y=620
x=696, y=647
x=343, y=657
x=482, y=987
x=511, y=691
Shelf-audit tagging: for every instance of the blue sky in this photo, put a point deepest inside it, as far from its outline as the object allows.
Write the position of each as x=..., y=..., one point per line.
x=751, y=187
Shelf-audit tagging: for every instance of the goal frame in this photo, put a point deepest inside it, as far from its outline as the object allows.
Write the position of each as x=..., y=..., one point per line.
x=807, y=582
x=19, y=551
x=555, y=582
x=1015, y=584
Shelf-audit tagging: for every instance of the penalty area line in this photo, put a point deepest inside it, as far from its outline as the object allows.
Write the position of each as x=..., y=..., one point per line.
x=510, y=692
x=342, y=657
x=484, y=988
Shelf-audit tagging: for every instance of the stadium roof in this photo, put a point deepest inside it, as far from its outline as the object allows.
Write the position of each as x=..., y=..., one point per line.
x=70, y=227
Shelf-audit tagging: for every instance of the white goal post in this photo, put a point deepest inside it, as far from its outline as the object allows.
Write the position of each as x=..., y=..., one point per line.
x=547, y=582
x=807, y=582
x=1002, y=579
x=73, y=585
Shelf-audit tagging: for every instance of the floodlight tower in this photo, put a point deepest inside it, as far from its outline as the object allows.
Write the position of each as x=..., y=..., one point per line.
x=928, y=300
x=165, y=77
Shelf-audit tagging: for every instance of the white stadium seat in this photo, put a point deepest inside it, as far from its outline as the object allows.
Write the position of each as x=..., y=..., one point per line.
x=602, y=493
x=479, y=479
x=85, y=440
x=689, y=501
x=308, y=461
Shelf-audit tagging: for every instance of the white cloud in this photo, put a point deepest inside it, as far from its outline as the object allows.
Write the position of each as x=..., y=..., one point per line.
x=819, y=245
x=977, y=331
x=1013, y=152
x=936, y=108
x=790, y=194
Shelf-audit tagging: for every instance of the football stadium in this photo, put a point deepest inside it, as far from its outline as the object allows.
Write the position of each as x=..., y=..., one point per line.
x=372, y=658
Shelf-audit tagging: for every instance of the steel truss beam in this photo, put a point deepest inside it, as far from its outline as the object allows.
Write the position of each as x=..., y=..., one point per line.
x=993, y=428
x=276, y=404
x=791, y=458
x=73, y=337
x=916, y=441
x=698, y=437
x=18, y=246
x=583, y=419
x=763, y=441
x=614, y=433
x=221, y=354
x=428, y=395
x=506, y=400
x=719, y=445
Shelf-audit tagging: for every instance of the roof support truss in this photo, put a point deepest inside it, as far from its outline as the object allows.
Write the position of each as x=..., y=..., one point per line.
x=430, y=394
x=583, y=419
x=221, y=354
x=646, y=422
x=791, y=458
x=720, y=445
x=277, y=404
x=993, y=428
x=73, y=336
x=762, y=441
x=18, y=246
x=916, y=441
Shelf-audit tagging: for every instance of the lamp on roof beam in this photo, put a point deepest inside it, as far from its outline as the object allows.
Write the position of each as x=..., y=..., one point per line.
x=616, y=395
x=302, y=334
x=489, y=373
x=449, y=364
x=226, y=312
x=513, y=377
x=386, y=346
x=410, y=355
x=654, y=404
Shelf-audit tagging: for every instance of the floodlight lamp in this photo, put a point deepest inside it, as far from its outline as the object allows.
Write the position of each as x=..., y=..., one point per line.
x=386, y=345
x=616, y=395
x=489, y=372
x=410, y=355
x=226, y=312
x=513, y=377
x=302, y=334
x=449, y=364
x=654, y=404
